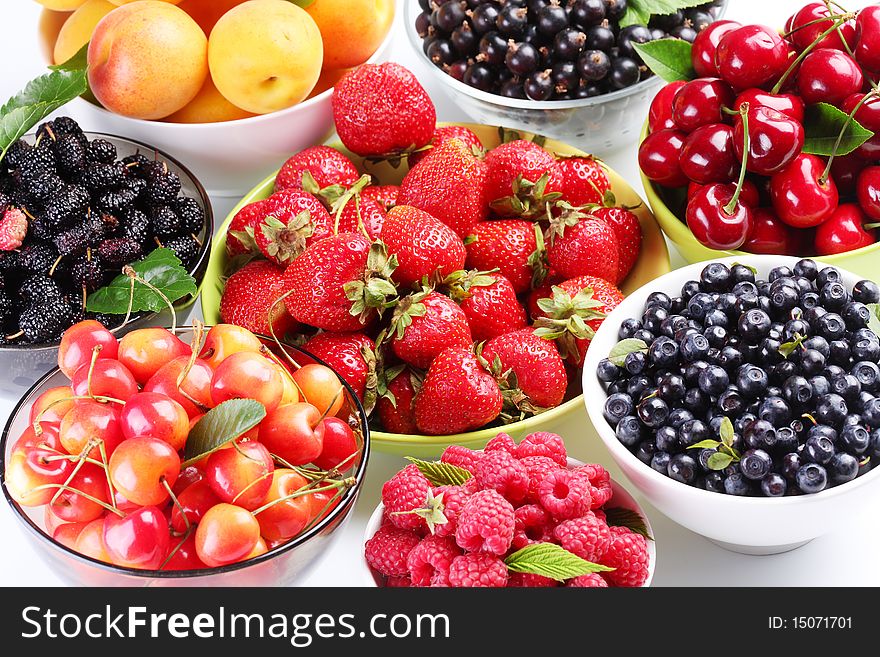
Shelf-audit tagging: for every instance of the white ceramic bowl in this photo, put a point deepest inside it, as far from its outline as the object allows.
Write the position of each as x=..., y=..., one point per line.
x=751, y=525
x=619, y=498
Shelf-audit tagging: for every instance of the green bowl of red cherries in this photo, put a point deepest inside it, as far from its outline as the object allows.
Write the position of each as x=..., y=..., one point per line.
x=767, y=141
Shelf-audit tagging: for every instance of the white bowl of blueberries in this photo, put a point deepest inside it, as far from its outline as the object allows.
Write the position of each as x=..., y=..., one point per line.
x=741, y=397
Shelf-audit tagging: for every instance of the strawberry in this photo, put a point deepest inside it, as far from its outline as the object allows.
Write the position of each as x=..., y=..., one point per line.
x=457, y=395
x=628, y=232
x=251, y=293
x=450, y=185
x=360, y=215
x=294, y=219
x=13, y=228
x=325, y=166
x=424, y=246
x=395, y=407
x=580, y=180
x=506, y=245
x=445, y=133
x=489, y=302
x=507, y=162
x=381, y=109
x=340, y=283
x=535, y=363
x=238, y=239
x=424, y=324
x=353, y=357
x=588, y=248
x=384, y=195
x=574, y=312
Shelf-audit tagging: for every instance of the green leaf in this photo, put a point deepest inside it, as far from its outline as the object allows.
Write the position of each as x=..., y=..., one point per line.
x=719, y=461
x=706, y=444
x=78, y=62
x=41, y=97
x=823, y=124
x=639, y=12
x=223, y=423
x=874, y=324
x=754, y=270
x=622, y=349
x=788, y=348
x=162, y=269
x=441, y=474
x=620, y=517
x=668, y=58
x=551, y=561
x=726, y=431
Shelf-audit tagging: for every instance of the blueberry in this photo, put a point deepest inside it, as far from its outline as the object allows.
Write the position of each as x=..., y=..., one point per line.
x=760, y=434
x=783, y=298
x=716, y=277
x=773, y=485
x=672, y=325
x=874, y=445
x=730, y=358
x=812, y=362
x=607, y=371
x=645, y=451
x=797, y=390
x=635, y=362
x=856, y=315
x=663, y=352
x=713, y=380
x=863, y=403
x=847, y=386
x=644, y=335
x=666, y=439
x=671, y=387
x=795, y=328
x=653, y=318
x=628, y=328
x=833, y=371
x=694, y=400
x=678, y=416
x=866, y=350
x=834, y=296
x=694, y=347
x=866, y=292
x=659, y=299
x=791, y=463
x=693, y=370
x=867, y=375
x=660, y=462
x=814, y=314
x=617, y=386
x=786, y=440
x=751, y=380
x=818, y=343
x=617, y=407
x=827, y=275
x=746, y=301
x=819, y=449
x=832, y=326
x=737, y=484
x=781, y=372
x=682, y=468
x=806, y=268
x=809, y=300
x=742, y=421
x=700, y=304
x=755, y=464
x=854, y=439
x=629, y=431
x=811, y=478
x=716, y=317
x=731, y=402
x=714, y=482
x=831, y=409
x=692, y=432
x=775, y=411
x=653, y=412
x=779, y=272
x=871, y=412
x=843, y=467
x=741, y=274
x=754, y=325
x=820, y=384
x=716, y=335
x=637, y=386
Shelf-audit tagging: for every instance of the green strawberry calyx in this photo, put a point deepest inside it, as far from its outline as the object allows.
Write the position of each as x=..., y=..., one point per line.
x=408, y=307
x=567, y=318
x=375, y=291
x=528, y=199
x=517, y=405
x=460, y=284
x=286, y=242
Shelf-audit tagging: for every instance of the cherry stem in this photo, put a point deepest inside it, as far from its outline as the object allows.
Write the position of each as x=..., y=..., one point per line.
x=100, y=503
x=189, y=530
x=101, y=399
x=133, y=275
x=69, y=457
x=195, y=347
x=250, y=485
x=319, y=516
x=130, y=302
x=806, y=51
x=312, y=475
x=80, y=461
x=104, y=464
x=96, y=350
x=849, y=119
x=331, y=404
x=744, y=115
x=175, y=501
x=345, y=483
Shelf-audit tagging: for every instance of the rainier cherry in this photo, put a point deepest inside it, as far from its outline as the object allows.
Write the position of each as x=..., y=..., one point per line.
x=52, y=405
x=194, y=393
x=139, y=540
x=72, y=506
x=799, y=195
x=77, y=343
x=247, y=375
x=288, y=518
x=195, y=500
x=91, y=420
x=226, y=534
x=67, y=533
x=141, y=467
x=33, y=469
x=145, y=350
x=844, y=231
x=109, y=378
x=152, y=414
x=241, y=473
x=321, y=387
x=223, y=340
x=294, y=432
x=184, y=555
x=90, y=542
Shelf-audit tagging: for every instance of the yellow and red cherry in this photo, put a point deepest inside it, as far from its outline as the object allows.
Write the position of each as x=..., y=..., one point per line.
x=247, y=375
x=287, y=518
x=321, y=388
x=260, y=548
x=67, y=533
x=90, y=420
x=752, y=56
x=339, y=445
x=140, y=539
x=800, y=197
x=187, y=477
x=32, y=469
x=769, y=235
x=185, y=556
x=141, y=467
x=109, y=378
x=844, y=231
x=73, y=505
x=50, y=520
x=195, y=500
x=29, y=439
x=78, y=343
x=294, y=432
x=240, y=474
x=156, y=415
x=227, y=534
x=660, y=111
x=659, y=157
x=145, y=350
x=321, y=504
x=701, y=102
x=194, y=393
x=708, y=154
x=52, y=405
x=290, y=394
x=90, y=542
x=223, y=340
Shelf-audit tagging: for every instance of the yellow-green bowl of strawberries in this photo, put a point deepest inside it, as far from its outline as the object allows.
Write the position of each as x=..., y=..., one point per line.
x=487, y=300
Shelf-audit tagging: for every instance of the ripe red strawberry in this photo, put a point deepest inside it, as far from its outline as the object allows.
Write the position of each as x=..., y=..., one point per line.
x=426, y=323
x=381, y=109
x=338, y=283
x=489, y=302
x=536, y=363
x=249, y=295
x=628, y=232
x=358, y=215
x=445, y=133
x=506, y=245
x=580, y=180
x=457, y=394
x=450, y=185
x=395, y=407
x=13, y=228
x=293, y=220
x=238, y=240
x=326, y=165
x=508, y=161
x=589, y=248
x=353, y=357
x=384, y=195
x=424, y=245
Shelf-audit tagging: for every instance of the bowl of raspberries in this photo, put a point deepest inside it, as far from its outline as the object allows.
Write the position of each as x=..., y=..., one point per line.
x=75, y=209
x=512, y=515
x=741, y=397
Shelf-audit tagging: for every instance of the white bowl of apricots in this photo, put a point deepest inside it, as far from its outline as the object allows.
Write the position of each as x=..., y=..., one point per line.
x=183, y=457
x=230, y=87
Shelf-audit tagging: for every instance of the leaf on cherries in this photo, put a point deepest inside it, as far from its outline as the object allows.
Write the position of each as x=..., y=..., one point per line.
x=220, y=425
x=824, y=125
x=670, y=59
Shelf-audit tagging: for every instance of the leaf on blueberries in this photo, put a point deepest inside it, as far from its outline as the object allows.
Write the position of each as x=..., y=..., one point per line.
x=706, y=444
x=726, y=432
x=788, y=348
x=670, y=59
x=620, y=517
x=874, y=324
x=622, y=349
x=719, y=461
x=553, y=561
x=823, y=124
x=441, y=474
x=223, y=423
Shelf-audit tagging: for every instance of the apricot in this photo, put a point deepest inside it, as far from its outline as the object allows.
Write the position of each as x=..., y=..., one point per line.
x=209, y=106
x=207, y=12
x=48, y=27
x=61, y=5
x=352, y=30
x=265, y=55
x=125, y=2
x=77, y=30
x=147, y=60
x=329, y=78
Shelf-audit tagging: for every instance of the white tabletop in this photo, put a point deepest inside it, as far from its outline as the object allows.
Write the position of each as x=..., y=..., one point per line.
x=684, y=558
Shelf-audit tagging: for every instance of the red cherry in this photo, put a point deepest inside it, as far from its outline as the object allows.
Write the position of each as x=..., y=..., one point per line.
x=78, y=342
x=153, y=414
x=828, y=76
x=774, y=140
x=139, y=540
x=868, y=116
x=845, y=170
x=844, y=231
x=73, y=506
x=659, y=158
x=752, y=56
x=799, y=198
x=660, y=112
x=240, y=474
x=109, y=378
x=704, y=46
x=339, y=445
x=807, y=24
x=195, y=501
x=710, y=222
x=789, y=104
x=748, y=195
x=868, y=192
x=185, y=556
x=708, y=155
x=769, y=235
x=701, y=102
x=867, y=50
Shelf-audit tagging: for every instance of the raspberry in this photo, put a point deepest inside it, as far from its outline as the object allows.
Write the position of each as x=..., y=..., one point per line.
x=538, y=468
x=587, y=537
x=530, y=580
x=477, y=570
x=406, y=491
x=591, y=581
x=429, y=561
x=471, y=486
x=600, y=483
x=627, y=553
x=398, y=582
x=389, y=548
x=462, y=457
x=501, y=472
x=485, y=523
x=454, y=498
x=502, y=442
x=542, y=443
x=564, y=495
x=532, y=524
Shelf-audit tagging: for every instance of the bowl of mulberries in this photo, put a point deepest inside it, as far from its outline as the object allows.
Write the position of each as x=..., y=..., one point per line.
x=77, y=208
x=568, y=69
x=741, y=397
